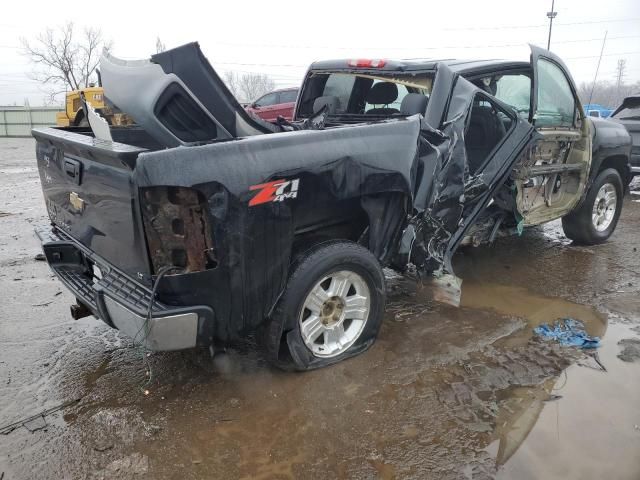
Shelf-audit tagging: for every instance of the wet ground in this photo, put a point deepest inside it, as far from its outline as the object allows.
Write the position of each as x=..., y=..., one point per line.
x=445, y=393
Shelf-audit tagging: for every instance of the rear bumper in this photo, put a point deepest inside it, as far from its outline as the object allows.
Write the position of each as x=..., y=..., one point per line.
x=120, y=301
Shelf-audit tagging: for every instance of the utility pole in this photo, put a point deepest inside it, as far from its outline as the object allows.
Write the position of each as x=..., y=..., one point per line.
x=622, y=64
x=551, y=15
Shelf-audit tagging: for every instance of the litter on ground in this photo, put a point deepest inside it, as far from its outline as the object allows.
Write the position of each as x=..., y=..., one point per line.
x=569, y=332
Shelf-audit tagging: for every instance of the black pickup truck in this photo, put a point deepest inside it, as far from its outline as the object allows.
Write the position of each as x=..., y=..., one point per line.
x=202, y=224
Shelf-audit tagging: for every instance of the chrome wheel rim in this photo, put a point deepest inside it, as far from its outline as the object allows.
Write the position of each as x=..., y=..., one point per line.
x=604, y=207
x=334, y=313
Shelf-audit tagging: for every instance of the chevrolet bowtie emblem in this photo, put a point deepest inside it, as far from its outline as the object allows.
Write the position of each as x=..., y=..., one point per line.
x=76, y=202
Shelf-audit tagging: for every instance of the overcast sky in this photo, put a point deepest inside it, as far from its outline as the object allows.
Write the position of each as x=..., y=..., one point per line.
x=282, y=37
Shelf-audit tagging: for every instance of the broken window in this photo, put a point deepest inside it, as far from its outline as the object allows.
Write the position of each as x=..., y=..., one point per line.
x=515, y=90
x=488, y=126
x=362, y=94
x=339, y=86
x=399, y=91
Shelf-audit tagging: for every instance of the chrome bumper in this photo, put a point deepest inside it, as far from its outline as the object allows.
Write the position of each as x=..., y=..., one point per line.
x=171, y=332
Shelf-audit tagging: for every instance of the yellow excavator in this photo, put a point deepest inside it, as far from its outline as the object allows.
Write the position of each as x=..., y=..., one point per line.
x=75, y=116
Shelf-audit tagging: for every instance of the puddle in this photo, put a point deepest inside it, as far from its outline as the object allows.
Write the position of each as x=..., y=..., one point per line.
x=593, y=430
x=535, y=309
x=445, y=393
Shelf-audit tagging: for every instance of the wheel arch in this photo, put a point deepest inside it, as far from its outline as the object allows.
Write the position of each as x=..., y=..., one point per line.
x=374, y=221
x=620, y=163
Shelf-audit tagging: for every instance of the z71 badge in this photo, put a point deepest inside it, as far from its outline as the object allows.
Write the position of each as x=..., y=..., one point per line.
x=275, y=191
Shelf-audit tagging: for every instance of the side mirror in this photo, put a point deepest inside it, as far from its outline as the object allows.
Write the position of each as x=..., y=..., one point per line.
x=254, y=105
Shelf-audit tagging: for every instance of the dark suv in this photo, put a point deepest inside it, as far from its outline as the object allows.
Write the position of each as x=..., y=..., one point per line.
x=628, y=114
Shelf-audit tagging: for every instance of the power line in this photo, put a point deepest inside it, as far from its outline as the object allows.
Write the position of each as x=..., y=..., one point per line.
x=637, y=52
x=306, y=65
x=622, y=63
x=511, y=27
x=17, y=80
x=593, y=85
x=263, y=64
x=446, y=47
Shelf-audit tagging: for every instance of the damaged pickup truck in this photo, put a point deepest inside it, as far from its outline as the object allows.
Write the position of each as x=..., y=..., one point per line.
x=202, y=224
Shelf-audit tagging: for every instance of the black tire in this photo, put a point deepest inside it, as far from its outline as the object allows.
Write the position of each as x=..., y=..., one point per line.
x=579, y=224
x=282, y=336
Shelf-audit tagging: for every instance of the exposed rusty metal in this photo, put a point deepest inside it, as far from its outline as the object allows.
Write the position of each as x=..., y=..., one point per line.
x=178, y=229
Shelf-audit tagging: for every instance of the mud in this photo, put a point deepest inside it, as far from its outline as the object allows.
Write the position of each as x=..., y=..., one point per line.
x=630, y=350
x=445, y=393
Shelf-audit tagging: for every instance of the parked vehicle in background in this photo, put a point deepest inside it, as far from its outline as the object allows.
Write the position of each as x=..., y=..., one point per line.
x=596, y=110
x=279, y=103
x=75, y=116
x=628, y=114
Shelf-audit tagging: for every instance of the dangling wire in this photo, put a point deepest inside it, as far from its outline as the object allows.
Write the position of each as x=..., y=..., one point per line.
x=147, y=326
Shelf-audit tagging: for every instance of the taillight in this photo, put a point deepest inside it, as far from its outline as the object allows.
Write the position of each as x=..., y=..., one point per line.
x=367, y=63
x=178, y=229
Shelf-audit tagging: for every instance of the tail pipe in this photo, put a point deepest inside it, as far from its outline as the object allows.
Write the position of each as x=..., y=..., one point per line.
x=79, y=310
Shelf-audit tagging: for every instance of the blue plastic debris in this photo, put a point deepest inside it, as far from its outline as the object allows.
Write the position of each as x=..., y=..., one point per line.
x=569, y=332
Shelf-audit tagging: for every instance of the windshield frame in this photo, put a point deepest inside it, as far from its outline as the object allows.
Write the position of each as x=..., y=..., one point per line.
x=400, y=77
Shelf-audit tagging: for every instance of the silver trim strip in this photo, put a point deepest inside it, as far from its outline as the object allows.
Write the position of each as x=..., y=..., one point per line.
x=173, y=332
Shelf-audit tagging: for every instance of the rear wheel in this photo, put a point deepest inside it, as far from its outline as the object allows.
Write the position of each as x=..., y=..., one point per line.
x=596, y=219
x=331, y=308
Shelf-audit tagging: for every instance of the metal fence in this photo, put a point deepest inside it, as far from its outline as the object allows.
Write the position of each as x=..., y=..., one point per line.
x=18, y=121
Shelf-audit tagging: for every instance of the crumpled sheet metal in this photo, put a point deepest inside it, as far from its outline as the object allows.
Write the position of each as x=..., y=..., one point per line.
x=374, y=163
x=442, y=191
x=398, y=169
x=448, y=198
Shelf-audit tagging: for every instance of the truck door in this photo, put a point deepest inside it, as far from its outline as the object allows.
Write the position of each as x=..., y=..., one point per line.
x=484, y=140
x=552, y=181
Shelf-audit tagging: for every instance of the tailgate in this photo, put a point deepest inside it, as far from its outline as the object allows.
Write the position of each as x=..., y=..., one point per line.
x=90, y=193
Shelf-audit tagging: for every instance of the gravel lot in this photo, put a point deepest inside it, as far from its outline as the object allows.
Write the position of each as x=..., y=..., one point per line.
x=445, y=393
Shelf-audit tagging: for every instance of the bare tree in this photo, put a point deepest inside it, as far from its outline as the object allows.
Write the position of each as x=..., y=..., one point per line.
x=248, y=86
x=63, y=58
x=253, y=85
x=606, y=93
x=160, y=47
x=232, y=79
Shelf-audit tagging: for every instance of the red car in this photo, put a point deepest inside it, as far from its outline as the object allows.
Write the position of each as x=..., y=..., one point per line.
x=274, y=104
